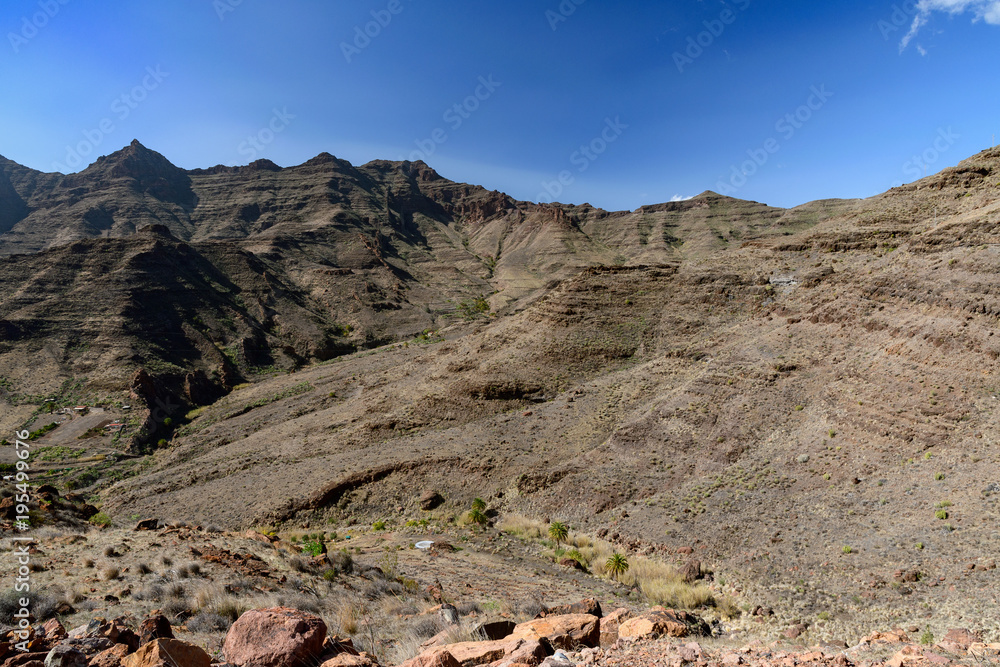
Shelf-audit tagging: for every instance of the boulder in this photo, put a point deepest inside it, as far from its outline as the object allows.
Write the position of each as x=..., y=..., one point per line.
x=438, y=659
x=586, y=606
x=691, y=571
x=168, y=653
x=111, y=657
x=155, y=627
x=430, y=500
x=474, y=653
x=664, y=622
x=147, y=524
x=567, y=631
x=65, y=656
x=509, y=651
x=448, y=614
x=275, y=637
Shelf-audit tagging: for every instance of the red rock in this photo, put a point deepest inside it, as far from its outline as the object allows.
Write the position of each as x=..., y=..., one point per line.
x=475, y=653
x=167, y=653
x=53, y=629
x=567, y=631
x=660, y=622
x=960, y=638
x=276, y=637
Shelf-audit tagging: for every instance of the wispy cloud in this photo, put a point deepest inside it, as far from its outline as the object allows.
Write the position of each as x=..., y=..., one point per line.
x=680, y=198
x=983, y=10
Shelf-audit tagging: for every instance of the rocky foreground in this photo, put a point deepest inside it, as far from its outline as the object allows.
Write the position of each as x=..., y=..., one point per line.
x=562, y=637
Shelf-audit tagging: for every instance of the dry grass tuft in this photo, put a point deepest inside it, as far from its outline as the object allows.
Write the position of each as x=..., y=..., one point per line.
x=110, y=573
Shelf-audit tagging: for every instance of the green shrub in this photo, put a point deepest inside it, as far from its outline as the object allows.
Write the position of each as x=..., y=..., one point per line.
x=941, y=514
x=313, y=548
x=101, y=519
x=379, y=525
x=847, y=549
x=927, y=637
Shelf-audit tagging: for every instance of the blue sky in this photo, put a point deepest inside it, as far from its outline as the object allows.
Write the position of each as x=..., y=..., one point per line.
x=573, y=100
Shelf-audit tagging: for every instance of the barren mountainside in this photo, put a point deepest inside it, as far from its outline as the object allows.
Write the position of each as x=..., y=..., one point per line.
x=806, y=398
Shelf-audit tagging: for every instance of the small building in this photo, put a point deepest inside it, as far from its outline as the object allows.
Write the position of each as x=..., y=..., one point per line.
x=116, y=426
x=81, y=409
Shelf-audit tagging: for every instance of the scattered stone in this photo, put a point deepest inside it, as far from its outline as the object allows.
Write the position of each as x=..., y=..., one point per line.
x=275, y=637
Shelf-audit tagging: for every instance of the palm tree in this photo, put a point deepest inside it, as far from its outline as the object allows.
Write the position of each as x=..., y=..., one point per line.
x=479, y=504
x=617, y=565
x=558, y=531
x=477, y=516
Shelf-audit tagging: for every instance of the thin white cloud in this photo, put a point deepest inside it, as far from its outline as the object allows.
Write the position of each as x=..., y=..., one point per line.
x=680, y=198
x=983, y=10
